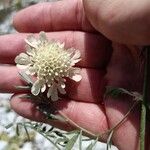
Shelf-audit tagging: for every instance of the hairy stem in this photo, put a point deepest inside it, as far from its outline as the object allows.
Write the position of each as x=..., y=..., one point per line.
x=76, y=125
x=100, y=136
x=145, y=99
x=123, y=119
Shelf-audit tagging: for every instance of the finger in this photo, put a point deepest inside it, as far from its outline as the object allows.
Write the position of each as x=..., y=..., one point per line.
x=123, y=72
x=83, y=114
x=125, y=22
x=95, y=49
x=57, y=16
x=86, y=90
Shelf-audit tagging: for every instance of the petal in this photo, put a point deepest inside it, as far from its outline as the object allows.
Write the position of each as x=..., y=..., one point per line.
x=61, y=90
x=71, y=51
x=49, y=82
x=76, y=55
x=32, y=70
x=35, y=90
x=43, y=88
x=24, y=55
x=62, y=85
x=74, y=74
x=75, y=61
x=61, y=45
x=22, y=59
x=74, y=70
x=54, y=95
x=50, y=91
x=30, y=51
x=32, y=41
x=22, y=67
x=76, y=77
x=42, y=36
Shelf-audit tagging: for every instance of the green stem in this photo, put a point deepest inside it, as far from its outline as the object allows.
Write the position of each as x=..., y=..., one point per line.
x=142, y=127
x=145, y=99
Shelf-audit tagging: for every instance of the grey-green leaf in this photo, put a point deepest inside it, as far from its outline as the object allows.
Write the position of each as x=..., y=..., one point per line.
x=109, y=142
x=92, y=145
x=71, y=142
x=27, y=132
x=80, y=140
x=17, y=130
x=9, y=126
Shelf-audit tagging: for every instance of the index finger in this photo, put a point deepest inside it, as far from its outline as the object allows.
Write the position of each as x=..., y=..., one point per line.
x=56, y=16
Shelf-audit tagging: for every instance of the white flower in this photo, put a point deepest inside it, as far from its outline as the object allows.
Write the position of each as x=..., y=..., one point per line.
x=50, y=63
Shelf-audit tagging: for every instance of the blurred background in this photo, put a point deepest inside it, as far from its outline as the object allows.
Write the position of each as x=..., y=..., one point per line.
x=9, y=140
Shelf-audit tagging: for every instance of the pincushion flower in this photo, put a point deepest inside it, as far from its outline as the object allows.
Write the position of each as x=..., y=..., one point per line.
x=50, y=63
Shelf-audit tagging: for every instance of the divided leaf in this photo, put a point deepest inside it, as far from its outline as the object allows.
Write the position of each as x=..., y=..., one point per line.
x=109, y=140
x=71, y=142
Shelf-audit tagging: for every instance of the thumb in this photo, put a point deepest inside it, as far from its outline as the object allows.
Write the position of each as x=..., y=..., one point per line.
x=125, y=22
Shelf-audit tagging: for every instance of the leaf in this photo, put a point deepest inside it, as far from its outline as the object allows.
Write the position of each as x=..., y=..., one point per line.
x=9, y=126
x=71, y=142
x=58, y=133
x=50, y=130
x=80, y=140
x=27, y=132
x=17, y=130
x=91, y=146
x=115, y=92
x=44, y=129
x=73, y=132
x=86, y=139
x=109, y=142
x=62, y=141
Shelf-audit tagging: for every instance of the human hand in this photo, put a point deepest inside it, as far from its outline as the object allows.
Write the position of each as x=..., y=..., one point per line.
x=66, y=21
x=121, y=21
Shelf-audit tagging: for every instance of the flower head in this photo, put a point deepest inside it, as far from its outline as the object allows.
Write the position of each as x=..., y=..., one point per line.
x=50, y=63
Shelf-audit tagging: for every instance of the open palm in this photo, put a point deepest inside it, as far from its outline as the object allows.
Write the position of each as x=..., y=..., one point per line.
x=103, y=63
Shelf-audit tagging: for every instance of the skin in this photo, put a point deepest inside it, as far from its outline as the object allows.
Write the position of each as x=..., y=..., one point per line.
x=121, y=21
x=103, y=63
